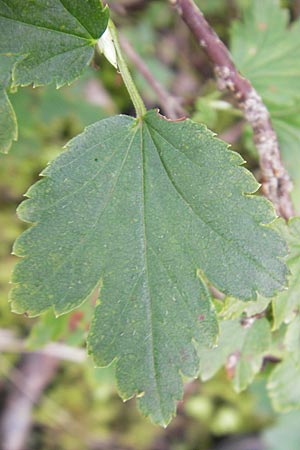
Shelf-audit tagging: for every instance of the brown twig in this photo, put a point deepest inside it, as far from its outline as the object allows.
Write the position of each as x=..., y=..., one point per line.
x=276, y=183
x=296, y=9
x=10, y=343
x=27, y=384
x=36, y=371
x=171, y=105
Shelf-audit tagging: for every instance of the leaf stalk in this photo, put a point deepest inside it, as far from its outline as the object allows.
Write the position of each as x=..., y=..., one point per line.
x=136, y=99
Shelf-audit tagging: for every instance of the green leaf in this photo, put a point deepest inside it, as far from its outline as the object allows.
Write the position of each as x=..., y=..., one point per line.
x=56, y=38
x=292, y=339
x=148, y=210
x=267, y=52
x=284, y=385
x=71, y=328
x=277, y=348
x=240, y=349
x=286, y=122
x=284, y=434
x=286, y=304
x=234, y=308
x=8, y=124
x=6, y=66
x=48, y=328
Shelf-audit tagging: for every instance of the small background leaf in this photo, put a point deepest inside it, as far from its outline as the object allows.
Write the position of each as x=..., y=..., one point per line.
x=8, y=123
x=284, y=385
x=286, y=304
x=55, y=37
x=266, y=49
x=234, y=308
x=286, y=121
x=240, y=349
x=267, y=52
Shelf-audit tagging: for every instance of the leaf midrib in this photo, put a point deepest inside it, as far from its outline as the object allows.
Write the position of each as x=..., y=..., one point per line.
x=148, y=304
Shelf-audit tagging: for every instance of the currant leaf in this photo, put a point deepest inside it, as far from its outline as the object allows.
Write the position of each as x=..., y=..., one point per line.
x=146, y=211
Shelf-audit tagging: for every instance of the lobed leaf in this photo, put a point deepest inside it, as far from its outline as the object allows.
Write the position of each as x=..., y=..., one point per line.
x=146, y=210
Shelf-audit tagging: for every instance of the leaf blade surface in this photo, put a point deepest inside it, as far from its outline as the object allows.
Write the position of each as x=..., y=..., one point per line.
x=267, y=52
x=286, y=305
x=8, y=124
x=147, y=210
x=55, y=37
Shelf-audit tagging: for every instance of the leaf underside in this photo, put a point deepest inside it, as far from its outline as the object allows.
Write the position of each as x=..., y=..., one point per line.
x=56, y=38
x=147, y=210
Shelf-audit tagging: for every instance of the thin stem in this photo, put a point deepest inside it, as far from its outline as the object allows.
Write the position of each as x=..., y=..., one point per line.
x=136, y=99
x=275, y=179
x=296, y=9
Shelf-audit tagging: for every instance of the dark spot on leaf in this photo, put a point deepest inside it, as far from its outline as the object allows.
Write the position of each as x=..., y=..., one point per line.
x=96, y=159
x=201, y=317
